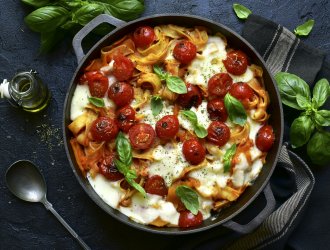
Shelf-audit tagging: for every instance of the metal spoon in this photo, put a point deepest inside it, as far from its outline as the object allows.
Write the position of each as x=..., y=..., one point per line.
x=25, y=181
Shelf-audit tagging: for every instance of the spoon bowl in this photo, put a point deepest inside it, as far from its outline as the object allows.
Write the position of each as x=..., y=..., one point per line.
x=25, y=181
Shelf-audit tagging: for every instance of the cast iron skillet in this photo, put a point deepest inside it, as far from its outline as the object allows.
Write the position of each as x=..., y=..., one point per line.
x=223, y=218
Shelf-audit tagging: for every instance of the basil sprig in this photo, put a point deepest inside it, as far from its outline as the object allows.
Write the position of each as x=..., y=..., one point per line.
x=241, y=11
x=305, y=28
x=98, y=102
x=156, y=104
x=55, y=20
x=124, y=151
x=188, y=197
x=199, y=130
x=174, y=83
x=235, y=110
x=227, y=158
x=295, y=93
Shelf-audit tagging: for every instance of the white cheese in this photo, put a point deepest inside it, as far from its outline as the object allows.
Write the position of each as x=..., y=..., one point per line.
x=245, y=77
x=149, y=118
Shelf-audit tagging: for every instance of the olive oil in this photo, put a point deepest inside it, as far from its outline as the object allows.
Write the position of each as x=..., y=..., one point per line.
x=28, y=92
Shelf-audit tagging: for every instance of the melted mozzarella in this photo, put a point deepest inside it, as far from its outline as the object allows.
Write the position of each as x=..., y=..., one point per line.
x=245, y=77
x=202, y=117
x=80, y=100
x=169, y=162
x=149, y=118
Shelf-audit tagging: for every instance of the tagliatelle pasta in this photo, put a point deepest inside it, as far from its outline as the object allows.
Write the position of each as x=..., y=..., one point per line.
x=168, y=112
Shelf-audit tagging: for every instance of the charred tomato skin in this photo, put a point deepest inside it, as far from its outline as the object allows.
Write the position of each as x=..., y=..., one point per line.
x=218, y=133
x=104, y=129
x=167, y=127
x=185, y=51
x=188, y=219
x=121, y=93
x=236, y=62
x=265, y=138
x=193, y=151
x=141, y=136
x=193, y=97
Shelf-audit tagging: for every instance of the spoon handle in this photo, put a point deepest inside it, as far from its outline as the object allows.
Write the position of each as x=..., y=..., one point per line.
x=49, y=207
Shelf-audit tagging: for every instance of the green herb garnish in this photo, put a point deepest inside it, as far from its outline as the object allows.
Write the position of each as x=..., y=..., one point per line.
x=199, y=130
x=235, y=110
x=304, y=29
x=98, y=102
x=227, y=158
x=174, y=83
x=188, y=197
x=156, y=104
x=241, y=11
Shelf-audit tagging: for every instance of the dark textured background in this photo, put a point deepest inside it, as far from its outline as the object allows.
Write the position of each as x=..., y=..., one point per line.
x=38, y=137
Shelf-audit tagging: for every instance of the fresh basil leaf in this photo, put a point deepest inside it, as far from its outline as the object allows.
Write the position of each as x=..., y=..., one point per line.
x=122, y=168
x=37, y=3
x=49, y=40
x=188, y=197
x=235, y=110
x=124, y=149
x=322, y=117
x=301, y=130
x=86, y=13
x=241, y=11
x=227, y=158
x=98, y=102
x=122, y=9
x=137, y=187
x=70, y=25
x=156, y=104
x=160, y=73
x=46, y=19
x=304, y=29
x=318, y=148
x=200, y=131
x=176, y=84
x=72, y=4
x=289, y=86
x=192, y=117
x=321, y=92
x=303, y=102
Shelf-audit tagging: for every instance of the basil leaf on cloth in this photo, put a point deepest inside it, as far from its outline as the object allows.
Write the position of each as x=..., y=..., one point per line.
x=86, y=13
x=318, y=148
x=289, y=86
x=188, y=197
x=303, y=102
x=37, y=3
x=241, y=11
x=305, y=28
x=301, y=130
x=321, y=92
x=235, y=110
x=322, y=118
x=98, y=102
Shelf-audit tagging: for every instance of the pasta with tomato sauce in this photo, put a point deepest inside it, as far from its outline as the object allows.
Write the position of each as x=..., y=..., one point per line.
x=168, y=112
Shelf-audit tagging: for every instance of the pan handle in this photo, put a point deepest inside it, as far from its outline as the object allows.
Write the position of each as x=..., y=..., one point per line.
x=77, y=39
x=255, y=222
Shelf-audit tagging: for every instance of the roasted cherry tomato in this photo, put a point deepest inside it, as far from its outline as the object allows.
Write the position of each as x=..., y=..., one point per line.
x=236, y=62
x=167, y=127
x=108, y=168
x=98, y=84
x=155, y=185
x=217, y=111
x=265, y=138
x=241, y=91
x=188, y=219
x=141, y=136
x=144, y=36
x=126, y=118
x=184, y=51
x=219, y=84
x=123, y=68
x=104, y=129
x=193, y=97
x=218, y=133
x=121, y=93
x=193, y=151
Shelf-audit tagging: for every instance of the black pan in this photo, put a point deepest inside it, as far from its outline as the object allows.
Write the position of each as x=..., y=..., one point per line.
x=223, y=218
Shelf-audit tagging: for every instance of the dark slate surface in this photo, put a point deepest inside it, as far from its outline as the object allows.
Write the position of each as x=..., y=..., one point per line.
x=38, y=137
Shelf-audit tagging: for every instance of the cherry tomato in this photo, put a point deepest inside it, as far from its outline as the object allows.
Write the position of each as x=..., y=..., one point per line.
x=236, y=62
x=104, y=129
x=123, y=68
x=126, y=118
x=218, y=133
x=156, y=185
x=188, y=219
x=121, y=93
x=98, y=84
x=167, y=127
x=108, y=168
x=219, y=84
x=193, y=151
x=193, y=97
x=184, y=51
x=141, y=136
x=265, y=138
x=217, y=111
x=143, y=36
x=241, y=91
